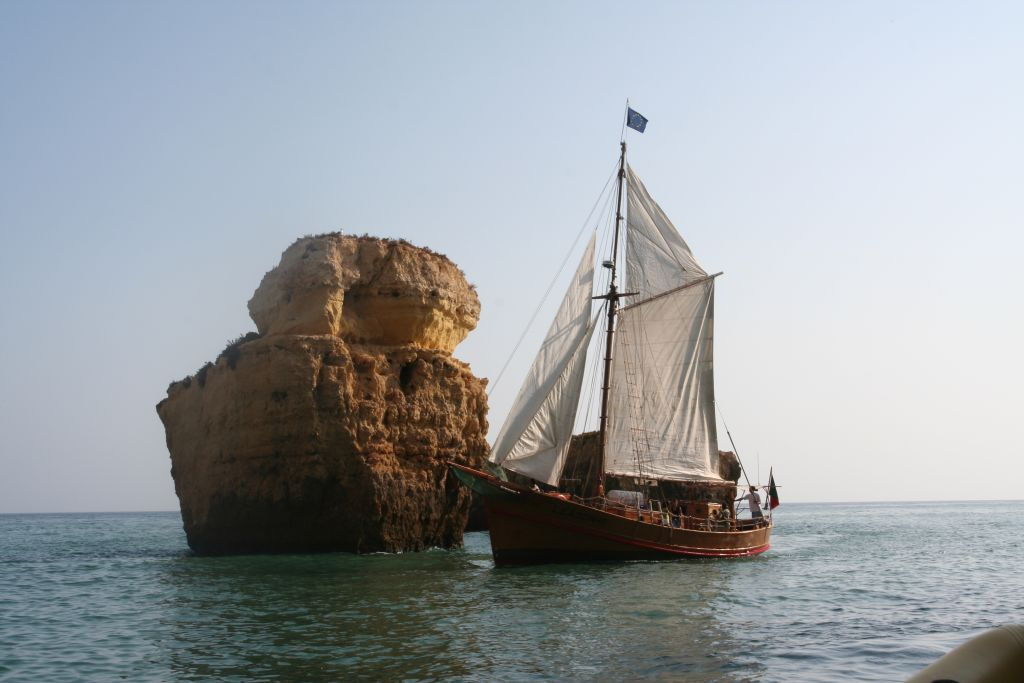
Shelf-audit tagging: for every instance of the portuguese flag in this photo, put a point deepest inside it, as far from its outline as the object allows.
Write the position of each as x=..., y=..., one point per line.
x=773, y=493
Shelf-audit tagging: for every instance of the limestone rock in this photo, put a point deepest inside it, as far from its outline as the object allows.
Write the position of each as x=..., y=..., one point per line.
x=366, y=290
x=729, y=466
x=322, y=440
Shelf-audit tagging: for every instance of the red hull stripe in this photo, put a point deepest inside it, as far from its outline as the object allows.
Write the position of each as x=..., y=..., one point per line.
x=671, y=549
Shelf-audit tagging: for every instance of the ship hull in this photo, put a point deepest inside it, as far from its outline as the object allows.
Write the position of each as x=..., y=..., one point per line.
x=531, y=527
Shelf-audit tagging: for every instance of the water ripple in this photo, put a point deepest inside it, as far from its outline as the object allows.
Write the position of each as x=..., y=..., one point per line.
x=857, y=592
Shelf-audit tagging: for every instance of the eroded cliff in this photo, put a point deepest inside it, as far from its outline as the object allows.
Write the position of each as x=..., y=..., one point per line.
x=331, y=427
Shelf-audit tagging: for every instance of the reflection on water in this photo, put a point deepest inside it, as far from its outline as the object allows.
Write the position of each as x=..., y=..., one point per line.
x=856, y=592
x=443, y=614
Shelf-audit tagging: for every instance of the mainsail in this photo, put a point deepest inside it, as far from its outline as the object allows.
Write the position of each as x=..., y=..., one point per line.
x=662, y=414
x=535, y=438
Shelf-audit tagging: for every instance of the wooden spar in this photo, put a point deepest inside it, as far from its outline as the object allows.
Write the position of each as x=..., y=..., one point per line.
x=613, y=298
x=671, y=291
x=734, y=449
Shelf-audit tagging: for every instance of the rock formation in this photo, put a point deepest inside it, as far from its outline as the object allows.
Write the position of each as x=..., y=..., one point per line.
x=329, y=429
x=729, y=466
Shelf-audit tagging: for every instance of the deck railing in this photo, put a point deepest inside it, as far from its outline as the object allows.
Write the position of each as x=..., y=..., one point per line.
x=669, y=519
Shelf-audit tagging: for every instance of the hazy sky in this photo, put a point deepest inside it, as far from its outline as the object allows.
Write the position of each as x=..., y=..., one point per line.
x=854, y=168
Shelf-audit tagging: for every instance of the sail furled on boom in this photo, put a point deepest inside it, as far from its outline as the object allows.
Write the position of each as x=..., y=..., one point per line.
x=657, y=257
x=662, y=404
x=534, y=440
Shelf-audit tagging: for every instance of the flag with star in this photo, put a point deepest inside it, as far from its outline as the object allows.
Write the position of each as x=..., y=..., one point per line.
x=635, y=120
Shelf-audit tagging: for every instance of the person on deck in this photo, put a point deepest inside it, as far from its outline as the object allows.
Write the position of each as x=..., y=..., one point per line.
x=676, y=510
x=754, y=503
x=727, y=522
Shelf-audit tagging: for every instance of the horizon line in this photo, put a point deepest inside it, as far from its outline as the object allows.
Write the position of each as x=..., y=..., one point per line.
x=802, y=502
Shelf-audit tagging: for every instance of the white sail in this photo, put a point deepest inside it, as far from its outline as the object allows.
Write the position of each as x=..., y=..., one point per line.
x=535, y=438
x=662, y=412
x=542, y=448
x=657, y=257
x=662, y=404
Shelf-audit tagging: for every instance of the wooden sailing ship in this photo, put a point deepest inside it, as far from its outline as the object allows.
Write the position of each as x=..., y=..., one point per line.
x=658, y=491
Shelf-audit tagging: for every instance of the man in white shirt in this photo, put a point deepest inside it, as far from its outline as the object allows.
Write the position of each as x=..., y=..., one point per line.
x=753, y=502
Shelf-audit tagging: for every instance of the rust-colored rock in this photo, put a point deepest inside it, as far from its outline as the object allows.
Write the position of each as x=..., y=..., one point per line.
x=582, y=470
x=331, y=429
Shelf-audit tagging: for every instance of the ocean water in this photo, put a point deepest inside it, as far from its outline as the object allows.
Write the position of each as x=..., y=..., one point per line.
x=868, y=592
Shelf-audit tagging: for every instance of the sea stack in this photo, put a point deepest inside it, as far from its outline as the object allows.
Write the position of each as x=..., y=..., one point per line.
x=329, y=428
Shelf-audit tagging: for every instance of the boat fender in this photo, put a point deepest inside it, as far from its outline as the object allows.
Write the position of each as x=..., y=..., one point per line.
x=995, y=655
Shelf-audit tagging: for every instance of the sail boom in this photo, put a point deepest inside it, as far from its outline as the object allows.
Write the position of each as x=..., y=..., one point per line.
x=671, y=291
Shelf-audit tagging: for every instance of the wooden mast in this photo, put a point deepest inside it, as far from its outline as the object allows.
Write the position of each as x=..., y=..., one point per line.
x=613, y=298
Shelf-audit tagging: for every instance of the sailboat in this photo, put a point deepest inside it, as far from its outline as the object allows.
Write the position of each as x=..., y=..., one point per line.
x=658, y=489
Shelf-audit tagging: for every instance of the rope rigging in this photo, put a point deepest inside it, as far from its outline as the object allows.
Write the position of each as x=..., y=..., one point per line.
x=551, y=286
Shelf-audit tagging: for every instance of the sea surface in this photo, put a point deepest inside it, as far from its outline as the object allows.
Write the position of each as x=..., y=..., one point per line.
x=868, y=592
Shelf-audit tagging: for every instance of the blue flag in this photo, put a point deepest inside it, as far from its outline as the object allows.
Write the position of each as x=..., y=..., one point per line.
x=636, y=120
